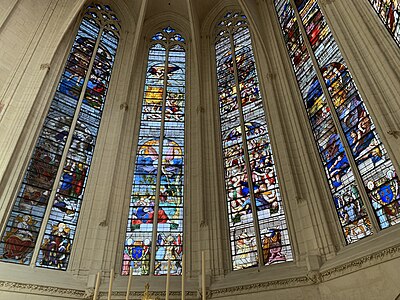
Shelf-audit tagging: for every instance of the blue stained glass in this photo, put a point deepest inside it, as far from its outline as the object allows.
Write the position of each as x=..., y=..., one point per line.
x=168, y=29
x=334, y=158
x=369, y=153
x=159, y=36
x=20, y=237
x=159, y=163
x=177, y=37
x=370, y=156
x=243, y=127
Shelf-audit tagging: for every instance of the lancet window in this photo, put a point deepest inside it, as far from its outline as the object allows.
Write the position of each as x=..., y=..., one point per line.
x=360, y=174
x=257, y=222
x=42, y=223
x=158, y=179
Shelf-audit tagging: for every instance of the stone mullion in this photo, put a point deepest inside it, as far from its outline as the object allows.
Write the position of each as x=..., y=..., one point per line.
x=159, y=165
x=246, y=153
x=377, y=62
x=65, y=152
x=353, y=165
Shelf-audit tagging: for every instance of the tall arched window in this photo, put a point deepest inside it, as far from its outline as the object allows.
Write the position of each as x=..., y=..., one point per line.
x=257, y=224
x=389, y=13
x=360, y=173
x=47, y=206
x=158, y=178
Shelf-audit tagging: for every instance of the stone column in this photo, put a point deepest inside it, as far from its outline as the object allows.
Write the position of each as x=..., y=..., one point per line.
x=373, y=58
x=308, y=203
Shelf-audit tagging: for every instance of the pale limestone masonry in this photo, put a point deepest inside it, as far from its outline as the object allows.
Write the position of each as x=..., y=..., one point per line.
x=35, y=37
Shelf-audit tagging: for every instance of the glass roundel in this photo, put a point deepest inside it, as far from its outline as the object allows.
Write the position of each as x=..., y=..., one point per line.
x=158, y=180
x=257, y=222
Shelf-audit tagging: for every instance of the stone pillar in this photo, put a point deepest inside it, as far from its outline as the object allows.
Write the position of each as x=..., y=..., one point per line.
x=32, y=54
x=308, y=202
x=373, y=58
x=101, y=231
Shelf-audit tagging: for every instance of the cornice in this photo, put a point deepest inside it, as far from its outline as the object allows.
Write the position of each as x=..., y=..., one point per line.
x=311, y=278
x=361, y=263
x=155, y=294
x=261, y=286
x=41, y=290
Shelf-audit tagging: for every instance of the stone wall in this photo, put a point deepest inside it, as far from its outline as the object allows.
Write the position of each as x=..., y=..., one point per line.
x=35, y=37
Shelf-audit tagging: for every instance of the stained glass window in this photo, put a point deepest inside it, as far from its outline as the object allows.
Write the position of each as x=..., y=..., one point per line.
x=356, y=163
x=257, y=223
x=158, y=178
x=48, y=203
x=389, y=13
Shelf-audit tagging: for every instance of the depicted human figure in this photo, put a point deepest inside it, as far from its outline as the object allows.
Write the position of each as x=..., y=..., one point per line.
x=18, y=242
x=390, y=15
x=67, y=178
x=66, y=205
x=266, y=200
x=245, y=245
x=56, y=246
x=351, y=212
x=338, y=168
x=272, y=246
x=79, y=59
x=126, y=260
x=141, y=215
x=313, y=32
x=147, y=158
x=79, y=179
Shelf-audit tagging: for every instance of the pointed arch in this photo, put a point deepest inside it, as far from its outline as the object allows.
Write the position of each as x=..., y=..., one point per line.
x=257, y=222
x=158, y=180
x=361, y=176
x=41, y=226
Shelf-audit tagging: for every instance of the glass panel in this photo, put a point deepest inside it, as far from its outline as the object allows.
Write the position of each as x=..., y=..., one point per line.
x=137, y=251
x=244, y=132
x=60, y=230
x=334, y=159
x=168, y=164
x=27, y=214
x=373, y=162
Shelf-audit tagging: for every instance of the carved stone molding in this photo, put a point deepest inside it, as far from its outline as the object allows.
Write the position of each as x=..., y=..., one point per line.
x=270, y=76
x=300, y=199
x=156, y=294
x=361, y=263
x=394, y=133
x=45, y=67
x=200, y=109
x=41, y=290
x=311, y=278
x=262, y=286
x=124, y=106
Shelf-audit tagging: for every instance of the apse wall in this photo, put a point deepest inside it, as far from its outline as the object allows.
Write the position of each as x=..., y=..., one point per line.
x=35, y=41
